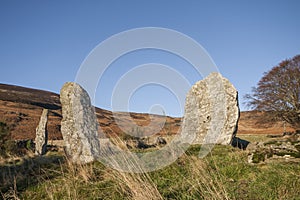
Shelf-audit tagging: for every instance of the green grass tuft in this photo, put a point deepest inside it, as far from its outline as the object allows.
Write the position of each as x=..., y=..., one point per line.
x=223, y=174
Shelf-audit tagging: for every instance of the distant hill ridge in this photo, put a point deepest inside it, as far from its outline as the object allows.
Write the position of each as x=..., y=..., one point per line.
x=30, y=96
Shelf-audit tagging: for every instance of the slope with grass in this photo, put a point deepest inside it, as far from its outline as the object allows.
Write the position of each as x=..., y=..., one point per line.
x=223, y=174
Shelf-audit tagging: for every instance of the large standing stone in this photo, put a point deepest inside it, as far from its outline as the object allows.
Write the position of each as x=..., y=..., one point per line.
x=41, y=136
x=79, y=124
x=211, y=111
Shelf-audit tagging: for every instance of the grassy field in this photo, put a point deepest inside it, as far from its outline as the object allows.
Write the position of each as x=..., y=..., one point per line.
x=254, y=138
x=224, y=174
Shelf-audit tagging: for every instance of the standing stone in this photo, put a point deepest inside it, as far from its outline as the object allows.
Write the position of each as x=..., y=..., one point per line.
x=41, y=137
x=211, y=111
x=79, y=124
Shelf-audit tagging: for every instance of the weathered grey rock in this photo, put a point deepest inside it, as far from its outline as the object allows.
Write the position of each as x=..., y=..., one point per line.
x=211, y=111
x=79, y=124
x=160, y=141
x=250, y=158
x=41, y=136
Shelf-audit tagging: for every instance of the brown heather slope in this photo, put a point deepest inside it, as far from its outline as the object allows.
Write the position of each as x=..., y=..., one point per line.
x=252, y=122
x=21, y=108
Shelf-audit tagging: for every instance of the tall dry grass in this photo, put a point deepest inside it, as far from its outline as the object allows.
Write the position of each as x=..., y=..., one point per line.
x=193, y=177
x=207, y=182
x=188, y=177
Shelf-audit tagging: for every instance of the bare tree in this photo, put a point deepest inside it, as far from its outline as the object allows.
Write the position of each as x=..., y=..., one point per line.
x=278, y=92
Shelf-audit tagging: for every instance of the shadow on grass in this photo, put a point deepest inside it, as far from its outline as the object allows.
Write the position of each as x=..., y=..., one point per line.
x=21, y=174
x=239, y=143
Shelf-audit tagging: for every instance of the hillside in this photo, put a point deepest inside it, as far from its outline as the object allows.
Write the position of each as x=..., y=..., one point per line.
x=21, y=108
x=225, y=173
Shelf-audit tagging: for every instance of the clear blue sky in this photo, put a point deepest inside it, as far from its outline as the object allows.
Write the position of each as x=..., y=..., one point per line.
x=43, y=43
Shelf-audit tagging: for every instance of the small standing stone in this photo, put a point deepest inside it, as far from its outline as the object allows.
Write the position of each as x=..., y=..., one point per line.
x=79, y=125
x=41, y=137
x=211, y=111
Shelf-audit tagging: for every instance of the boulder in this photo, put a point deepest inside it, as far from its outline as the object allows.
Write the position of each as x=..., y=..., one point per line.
x=211, y=111
x=160, y=141
x=79, y=125
x=41, y=136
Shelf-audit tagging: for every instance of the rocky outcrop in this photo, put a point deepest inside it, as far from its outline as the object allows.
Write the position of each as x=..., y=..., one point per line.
x=211, y=111
x=79, y=124
x=41, y=136
x=281, y=147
